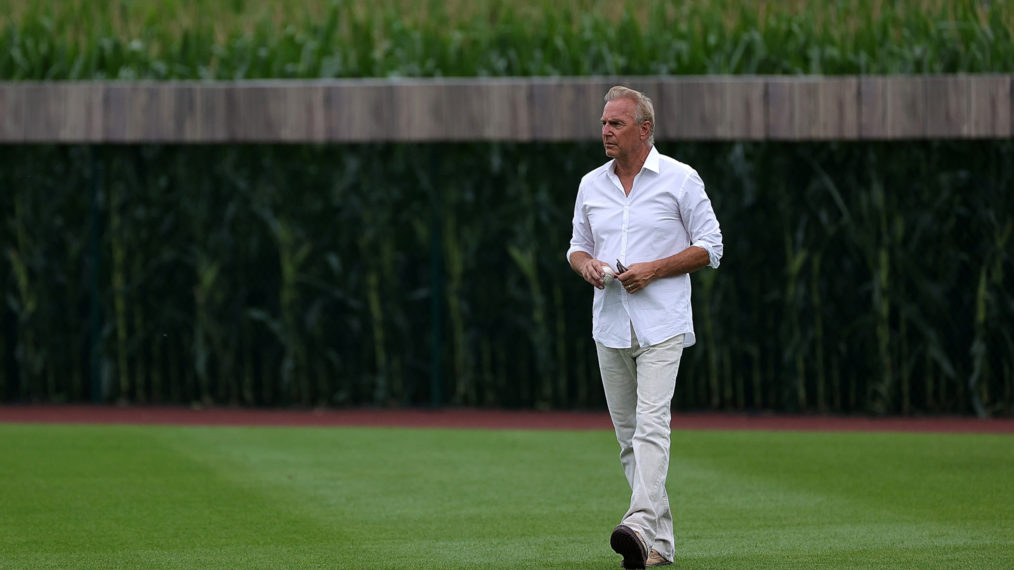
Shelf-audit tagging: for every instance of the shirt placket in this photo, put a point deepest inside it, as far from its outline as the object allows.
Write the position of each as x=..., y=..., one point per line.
x=624, y=241
x=625, y=218
x=625, y=230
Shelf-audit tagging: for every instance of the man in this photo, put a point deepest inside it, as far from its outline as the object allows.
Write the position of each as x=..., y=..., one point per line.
x=648, y=214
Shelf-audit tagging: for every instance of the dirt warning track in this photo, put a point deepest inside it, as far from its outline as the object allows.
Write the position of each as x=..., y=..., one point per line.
x=478, y=419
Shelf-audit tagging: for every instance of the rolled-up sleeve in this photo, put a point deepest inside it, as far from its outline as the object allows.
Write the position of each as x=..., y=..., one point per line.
x=582, y=238
x=700, y=220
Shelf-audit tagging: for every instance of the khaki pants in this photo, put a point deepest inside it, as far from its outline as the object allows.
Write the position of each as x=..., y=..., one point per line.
x=639, y=383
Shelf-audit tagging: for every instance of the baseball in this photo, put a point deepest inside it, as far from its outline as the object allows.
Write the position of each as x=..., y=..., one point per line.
x=608, y=274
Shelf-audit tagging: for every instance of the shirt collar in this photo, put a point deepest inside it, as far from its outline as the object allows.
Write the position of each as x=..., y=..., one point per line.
x=651, y=162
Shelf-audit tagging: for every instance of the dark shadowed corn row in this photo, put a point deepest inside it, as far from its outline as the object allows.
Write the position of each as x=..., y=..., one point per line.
x=857, y=277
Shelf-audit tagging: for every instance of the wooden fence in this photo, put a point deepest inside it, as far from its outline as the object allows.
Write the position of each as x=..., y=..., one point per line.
x=794, y=108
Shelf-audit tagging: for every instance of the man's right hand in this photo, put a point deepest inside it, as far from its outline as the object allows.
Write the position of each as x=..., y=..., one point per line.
x=589, y=268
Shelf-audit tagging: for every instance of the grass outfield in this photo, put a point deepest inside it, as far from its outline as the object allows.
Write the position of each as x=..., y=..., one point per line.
x=192, y=497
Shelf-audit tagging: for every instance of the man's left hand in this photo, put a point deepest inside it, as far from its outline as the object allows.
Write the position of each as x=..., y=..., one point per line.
x=637, y=277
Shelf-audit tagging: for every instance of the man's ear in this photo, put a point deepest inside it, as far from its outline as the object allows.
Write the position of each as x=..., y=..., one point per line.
x=645, y=130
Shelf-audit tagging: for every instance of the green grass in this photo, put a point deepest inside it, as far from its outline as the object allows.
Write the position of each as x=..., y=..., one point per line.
x=157, y=497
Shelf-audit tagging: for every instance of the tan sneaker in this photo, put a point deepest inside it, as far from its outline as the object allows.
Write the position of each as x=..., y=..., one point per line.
x=628, y=543
x=656, y=559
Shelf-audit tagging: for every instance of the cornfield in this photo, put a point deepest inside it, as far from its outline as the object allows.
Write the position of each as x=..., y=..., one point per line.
x=858, y=277
x=237, y=39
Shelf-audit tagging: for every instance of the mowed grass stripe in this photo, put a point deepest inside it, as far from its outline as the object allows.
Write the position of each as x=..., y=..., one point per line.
x=847, y=500
x=101, y=495
x=116, y=496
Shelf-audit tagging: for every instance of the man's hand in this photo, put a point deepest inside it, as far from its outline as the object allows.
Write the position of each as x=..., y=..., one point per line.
x=589, y=268
x=637, y=276
x=592, y=272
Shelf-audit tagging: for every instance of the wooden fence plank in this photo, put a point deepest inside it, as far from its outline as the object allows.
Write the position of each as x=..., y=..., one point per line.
x=745, y=101
x=509, y=109
x=702, y=109
x=872, y=112
x=906, y=107
x=780, y=118
x=838, y=117
x=360, y=112
x=82, y=112
x=115, y=105
x=148, y=116
x=260, y=114
x=274, y=112
x=462, y=105
x=701, y=113
x=669, y=109
x=43, y=111
x=12, y=113
x=567, y=110
x=806, y=110
x=892, y=107
x=213, y=108
x=947, y=107
x=990, y=103
x=419, y=111
x=188, y=109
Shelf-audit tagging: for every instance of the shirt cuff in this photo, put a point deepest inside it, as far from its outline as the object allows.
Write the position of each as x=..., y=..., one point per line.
x=714, y=257
x=574, y=249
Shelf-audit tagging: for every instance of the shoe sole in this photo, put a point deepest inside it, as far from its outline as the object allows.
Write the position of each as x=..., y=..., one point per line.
x=625, y=542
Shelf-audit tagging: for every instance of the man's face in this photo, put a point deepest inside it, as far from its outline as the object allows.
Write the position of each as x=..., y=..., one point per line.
x=621, y=136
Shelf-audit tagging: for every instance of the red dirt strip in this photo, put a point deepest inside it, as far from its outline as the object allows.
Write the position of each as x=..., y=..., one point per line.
x=477, y=418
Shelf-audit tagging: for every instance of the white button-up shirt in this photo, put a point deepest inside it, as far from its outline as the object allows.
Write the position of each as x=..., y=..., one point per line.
x=666, y=212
